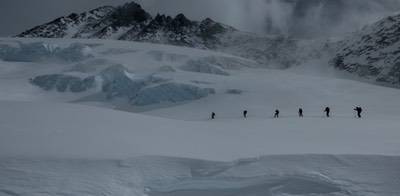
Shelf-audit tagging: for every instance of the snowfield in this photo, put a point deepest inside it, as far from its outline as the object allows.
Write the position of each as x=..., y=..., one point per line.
x=73, y=131
x=96, y=117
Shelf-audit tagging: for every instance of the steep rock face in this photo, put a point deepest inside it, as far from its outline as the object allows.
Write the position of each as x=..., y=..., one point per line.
x=129, y=17
x=74, y=25
x=373, y=53
x=105, y=23
x=180, y=31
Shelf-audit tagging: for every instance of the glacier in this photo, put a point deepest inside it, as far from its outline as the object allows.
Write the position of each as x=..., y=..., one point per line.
x=70, y=133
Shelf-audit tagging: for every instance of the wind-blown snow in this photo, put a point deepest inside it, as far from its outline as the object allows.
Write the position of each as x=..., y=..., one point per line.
x=39, y=51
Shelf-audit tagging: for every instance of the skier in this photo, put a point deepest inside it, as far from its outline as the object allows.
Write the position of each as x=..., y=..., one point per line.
x=213, y=115
x=301, y=113
x=327, y=111
x=359, y=111
x=245, y=114
x=276, y=114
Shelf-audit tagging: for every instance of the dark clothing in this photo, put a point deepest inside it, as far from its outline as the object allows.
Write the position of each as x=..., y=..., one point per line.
x=245, y=114
x=300, y=112
x=276, y=114
x=213, y=115
x=359, y=111
x=328, y=112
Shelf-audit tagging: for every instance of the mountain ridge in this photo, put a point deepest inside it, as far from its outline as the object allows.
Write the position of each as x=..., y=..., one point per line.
x=131, y=22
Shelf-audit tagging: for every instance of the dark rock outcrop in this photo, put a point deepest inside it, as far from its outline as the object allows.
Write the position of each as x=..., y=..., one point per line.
x=373, y=53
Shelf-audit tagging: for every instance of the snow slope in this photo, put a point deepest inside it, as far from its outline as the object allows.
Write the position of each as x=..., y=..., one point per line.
x=310, y=175
x=99, y=142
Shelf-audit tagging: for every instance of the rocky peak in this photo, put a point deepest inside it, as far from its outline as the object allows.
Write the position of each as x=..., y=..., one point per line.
x=208, y=22
x=209, y=28
x=162, y=19
x=129, y=14
x=179, y=22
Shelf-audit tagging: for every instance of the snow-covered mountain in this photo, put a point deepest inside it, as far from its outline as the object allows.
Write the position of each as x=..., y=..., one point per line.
x=131, y=22
x=373, y=52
